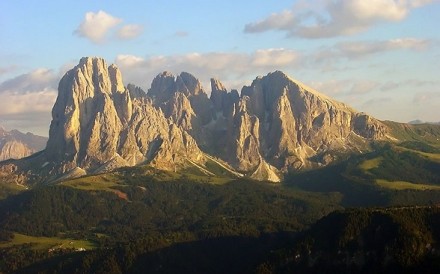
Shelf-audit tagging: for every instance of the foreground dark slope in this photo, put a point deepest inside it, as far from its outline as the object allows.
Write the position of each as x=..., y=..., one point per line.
x=380, y=240
x=132, y=209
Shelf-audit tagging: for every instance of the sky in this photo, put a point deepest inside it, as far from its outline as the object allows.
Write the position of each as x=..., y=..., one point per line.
x=381, y=57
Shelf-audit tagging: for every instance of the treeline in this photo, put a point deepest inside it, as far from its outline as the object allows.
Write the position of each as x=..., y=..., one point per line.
x=155, y=215
x=240, y=207
x=234, y=254
x=388, y=240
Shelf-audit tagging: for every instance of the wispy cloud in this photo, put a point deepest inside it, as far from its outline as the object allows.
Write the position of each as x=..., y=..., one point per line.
x=376, y=102
x=345, y=87
x=363, y=87
x=362, y=48
x=130, y=31
x=330, y=18
x=426, y=97
x=181, y=33
x=7, y=69
x=412, y=83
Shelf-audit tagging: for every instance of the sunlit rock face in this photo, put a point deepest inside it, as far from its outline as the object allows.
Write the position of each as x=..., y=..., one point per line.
x=96, y=121
x=274, y=126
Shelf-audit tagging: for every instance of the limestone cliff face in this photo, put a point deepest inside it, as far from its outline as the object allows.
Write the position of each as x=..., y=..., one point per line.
x=181, y=97
x=15, y=144
x=99, y=124
x=297, y=123
x=275, y=125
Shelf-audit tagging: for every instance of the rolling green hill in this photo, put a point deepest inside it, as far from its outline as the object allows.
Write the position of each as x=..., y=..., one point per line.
x=393, y=174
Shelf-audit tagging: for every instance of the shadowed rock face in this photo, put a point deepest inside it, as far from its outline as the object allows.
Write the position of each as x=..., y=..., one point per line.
x=275, y=125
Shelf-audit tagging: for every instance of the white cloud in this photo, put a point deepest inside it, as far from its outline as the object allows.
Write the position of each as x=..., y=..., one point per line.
x=130, y=31
x=363, y=87
x=96, y=26
x=274, y=57
x=330, y=18
x=232, y=68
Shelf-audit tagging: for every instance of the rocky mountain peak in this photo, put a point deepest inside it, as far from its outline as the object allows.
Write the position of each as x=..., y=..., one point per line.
x=91, y=99
x=165, y=84
x=217, y=86
x=96, y=121
x=162, y=87
x=218, y=94
x=276, y=125
x=192, y=85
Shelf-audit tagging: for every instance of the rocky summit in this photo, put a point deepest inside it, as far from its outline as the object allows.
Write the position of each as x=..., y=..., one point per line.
x=273, y=126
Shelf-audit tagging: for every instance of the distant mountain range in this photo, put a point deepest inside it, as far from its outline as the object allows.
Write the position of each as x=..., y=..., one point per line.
x=276, y=125
x=15, y=144
x=418, y=122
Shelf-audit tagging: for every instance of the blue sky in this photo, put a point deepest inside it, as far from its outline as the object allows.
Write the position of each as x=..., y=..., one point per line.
x=379, y=56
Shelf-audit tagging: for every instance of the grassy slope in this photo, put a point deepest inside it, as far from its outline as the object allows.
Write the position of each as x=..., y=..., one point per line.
x=425, y=133
x=7, y=189
x=47, y=242
x=372, y=179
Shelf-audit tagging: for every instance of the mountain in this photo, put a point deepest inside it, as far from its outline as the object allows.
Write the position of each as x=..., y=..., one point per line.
x=273, y=126
x=418, y=122
x=15, y=144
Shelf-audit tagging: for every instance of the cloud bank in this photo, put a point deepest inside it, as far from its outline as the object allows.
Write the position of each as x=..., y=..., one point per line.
x=231, y=68
x=26, y=100
x=331, y=18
